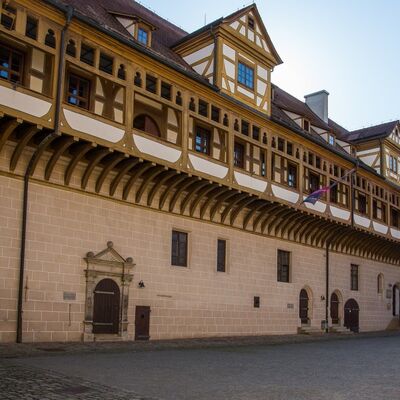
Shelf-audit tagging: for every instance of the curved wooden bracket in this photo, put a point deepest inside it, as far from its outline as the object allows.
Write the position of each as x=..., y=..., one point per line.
x=147, y=180
x=154, y=190
x=7, y=128
x=22, y=143
x=203, y=193
x=108, y=167
x=95, y=159
x=245, y=203
x=183, y=187
x=139, y=171
x=169, y=189
x=124, y=169
x=232, y=204
x=219, y=191
x=61, y=146
x=83, y=149
x=220, y=201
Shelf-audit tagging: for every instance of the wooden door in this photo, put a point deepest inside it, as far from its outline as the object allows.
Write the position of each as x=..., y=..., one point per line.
x=351, y=315
x=396, y=301
x=335, y=308
x=142, y=323
x=303, y=306
x=106, y=307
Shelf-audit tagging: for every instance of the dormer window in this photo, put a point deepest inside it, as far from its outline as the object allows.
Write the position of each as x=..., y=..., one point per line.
x=331, y=140
x=143, y=36
x=246, y=75
x=306, y=125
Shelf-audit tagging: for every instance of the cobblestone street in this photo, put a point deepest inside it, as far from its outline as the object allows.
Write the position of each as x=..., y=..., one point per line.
x=357, y=368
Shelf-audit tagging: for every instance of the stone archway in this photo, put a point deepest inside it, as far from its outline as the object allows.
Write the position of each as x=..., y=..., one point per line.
x=108, y=277
x=305, y=305
x=336, y=308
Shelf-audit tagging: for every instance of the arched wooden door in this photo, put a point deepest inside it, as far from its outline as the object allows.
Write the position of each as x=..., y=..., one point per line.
x=106, y=307
x=303, y=306
x=335, y=308
x=396, y=301
x=351, y=315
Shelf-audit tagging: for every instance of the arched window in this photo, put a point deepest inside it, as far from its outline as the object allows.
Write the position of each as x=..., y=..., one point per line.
x=71, y=49
x=50, y=39
x=146, y=124
x=380, y=283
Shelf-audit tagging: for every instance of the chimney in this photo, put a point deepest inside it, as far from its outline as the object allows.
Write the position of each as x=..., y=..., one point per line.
x=318, y=102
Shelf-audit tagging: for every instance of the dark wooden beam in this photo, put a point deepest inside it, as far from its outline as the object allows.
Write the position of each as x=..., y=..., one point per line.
x=115, y=159
x=62, y=145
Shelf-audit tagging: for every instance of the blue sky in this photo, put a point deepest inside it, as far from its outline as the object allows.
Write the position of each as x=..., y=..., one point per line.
x=351, y=48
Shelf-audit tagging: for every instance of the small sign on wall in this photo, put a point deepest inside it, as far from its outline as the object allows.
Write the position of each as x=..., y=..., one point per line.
x=291, y=306
x=69, y=296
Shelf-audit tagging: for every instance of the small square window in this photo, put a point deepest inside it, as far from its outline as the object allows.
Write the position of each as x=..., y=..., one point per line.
x=203, y=108
x=256, y=133
x=283, y=266
x=151, y=84
x=250, y=22
x=31, y=29
x=78, y=91
x=215, y=114
x=246, y=75
x=143, y=36
x=203, y=138
x=245, y=128
x=179, y=249
x=256, y=302
x=221, y=255
x=87, y=54
x=106, y=63
x=166, y=90
x=238, y=156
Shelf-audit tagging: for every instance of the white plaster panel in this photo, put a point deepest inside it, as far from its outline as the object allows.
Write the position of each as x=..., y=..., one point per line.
x=24, y=102
x=199, y=54
x=93, y=127
x=380, y=227
x=261, y=87
x=318, y=206
x=259, y=100
x=262, y=72
x=208, y=167
x=369, y=160
x=230, y=69
x=228, y=51
x=210, y=68
x=231, y=86
x=363, y=152
x=395, y=233
x=235, y=24
x=200, y=67
x=340, y=213
x=242, y=31
x=258, y=41
x=250, y=182
x=362, y=221
x=245, y=92
x=250, y=35
x=285, y=194
x=156, y=149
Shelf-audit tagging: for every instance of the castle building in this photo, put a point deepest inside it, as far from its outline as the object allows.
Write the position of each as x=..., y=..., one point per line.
x=156, y=184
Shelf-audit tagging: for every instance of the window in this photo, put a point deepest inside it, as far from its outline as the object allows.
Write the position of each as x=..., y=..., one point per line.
x=395, y=218
x=333, y=193
x=221, y=255
x=378, y=210
x=246, y=75
x=245, y=128
x=393, y=164
x=78, y=91
x=306, y=125
x=151, y=84
x=146, y=124
x=380, y=283
x=281, y=144
x=283, y=266
x=313, y=182
x=106, y=63
x=179, y=248
x=143, y=36
x=238, y=155
x=8, y=16
x=11, y=64
x=166, y=90
x=87, y=54
x=256, y=302
x=256, y=133
x=215, y=114
x=292, y=175
x=263, y=164
x=31, y=29
x=203, y=108
x=354, y=277
x=203, y=137
x=362, y=203
x=331, y=140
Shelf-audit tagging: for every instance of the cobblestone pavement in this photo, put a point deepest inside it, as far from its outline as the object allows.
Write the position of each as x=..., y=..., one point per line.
x=362, y=369
x=18, y=382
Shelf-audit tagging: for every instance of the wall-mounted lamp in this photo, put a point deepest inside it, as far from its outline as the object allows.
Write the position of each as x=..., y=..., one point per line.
x=141, y=285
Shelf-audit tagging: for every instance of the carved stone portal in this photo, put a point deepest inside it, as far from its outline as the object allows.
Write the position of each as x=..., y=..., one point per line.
x=107, y=264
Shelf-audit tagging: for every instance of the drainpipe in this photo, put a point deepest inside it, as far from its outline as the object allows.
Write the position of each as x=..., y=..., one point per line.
x=56, y=132
x=328, y=243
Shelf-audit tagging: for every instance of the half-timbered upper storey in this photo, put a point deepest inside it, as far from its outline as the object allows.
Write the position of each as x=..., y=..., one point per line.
x=155, y=109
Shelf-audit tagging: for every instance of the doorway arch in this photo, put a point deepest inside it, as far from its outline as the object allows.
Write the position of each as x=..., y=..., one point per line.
x=335, y=303
x=106, y=307
x=304, y=301
x=351, y=315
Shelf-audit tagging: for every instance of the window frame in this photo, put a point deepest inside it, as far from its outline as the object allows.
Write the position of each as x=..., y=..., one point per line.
x=9, y=69
x=354, y=277
x=240, y=73
x=284, y=276
x=141, y=29
x=222, y=266
x=178, y=261
x=68, y=94
x=238, y=144
x=203, y=132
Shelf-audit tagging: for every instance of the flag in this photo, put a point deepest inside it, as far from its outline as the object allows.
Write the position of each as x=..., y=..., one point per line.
x=316, y=195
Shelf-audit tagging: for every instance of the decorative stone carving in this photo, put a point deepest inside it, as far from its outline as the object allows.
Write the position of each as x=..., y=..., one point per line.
x=107, y=264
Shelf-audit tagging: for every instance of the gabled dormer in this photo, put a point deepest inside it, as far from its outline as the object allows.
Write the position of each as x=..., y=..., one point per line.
x=236, y=54
x=139, y=28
